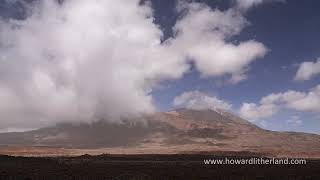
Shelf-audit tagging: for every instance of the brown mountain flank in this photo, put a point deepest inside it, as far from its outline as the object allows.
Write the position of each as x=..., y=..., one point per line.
x=179, y=131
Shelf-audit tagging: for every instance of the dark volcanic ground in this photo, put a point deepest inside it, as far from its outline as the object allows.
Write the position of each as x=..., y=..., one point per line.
x=142, y=167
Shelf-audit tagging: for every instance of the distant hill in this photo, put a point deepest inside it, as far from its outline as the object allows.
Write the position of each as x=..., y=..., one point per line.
x=178, y=131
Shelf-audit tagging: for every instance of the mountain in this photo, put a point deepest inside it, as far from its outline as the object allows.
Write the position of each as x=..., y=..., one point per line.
x=178, y=131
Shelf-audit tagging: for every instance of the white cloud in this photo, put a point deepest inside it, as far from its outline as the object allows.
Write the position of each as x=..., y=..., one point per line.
x=300, y=101
x=254, y=112
x=247, y=4
x=83, y=60
x=294, y=121
x=271, y=104
x=207, y=44
x=200, y=101
x=244, y=5
x=308, y=70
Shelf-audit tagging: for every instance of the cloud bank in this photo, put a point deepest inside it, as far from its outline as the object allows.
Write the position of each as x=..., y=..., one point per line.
x=271, y=104
x=200, y=101
x=85, y=60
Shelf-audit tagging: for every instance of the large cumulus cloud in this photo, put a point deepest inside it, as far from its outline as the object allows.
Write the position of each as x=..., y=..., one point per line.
x=84, y=60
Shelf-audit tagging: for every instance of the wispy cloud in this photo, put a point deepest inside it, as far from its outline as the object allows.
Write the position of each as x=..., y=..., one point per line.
x=245, y=5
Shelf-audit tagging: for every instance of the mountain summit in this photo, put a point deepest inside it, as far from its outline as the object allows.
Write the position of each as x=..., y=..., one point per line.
x=177, y=131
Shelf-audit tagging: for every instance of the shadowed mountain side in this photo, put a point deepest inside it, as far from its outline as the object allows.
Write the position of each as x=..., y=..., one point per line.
x=181, y=130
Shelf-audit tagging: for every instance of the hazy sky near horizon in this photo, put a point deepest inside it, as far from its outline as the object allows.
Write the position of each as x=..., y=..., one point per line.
x=80, y=60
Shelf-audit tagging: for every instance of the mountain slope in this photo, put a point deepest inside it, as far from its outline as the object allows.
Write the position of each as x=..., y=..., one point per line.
x=181, y=130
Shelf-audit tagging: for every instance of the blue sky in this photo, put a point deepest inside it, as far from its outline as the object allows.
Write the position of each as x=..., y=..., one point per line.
x=289, y=31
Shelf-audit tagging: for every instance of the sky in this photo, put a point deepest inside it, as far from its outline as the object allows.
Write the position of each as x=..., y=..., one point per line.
x=81, y=60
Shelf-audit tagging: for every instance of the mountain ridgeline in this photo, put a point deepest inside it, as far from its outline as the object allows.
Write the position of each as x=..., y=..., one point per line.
x=178, y=131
